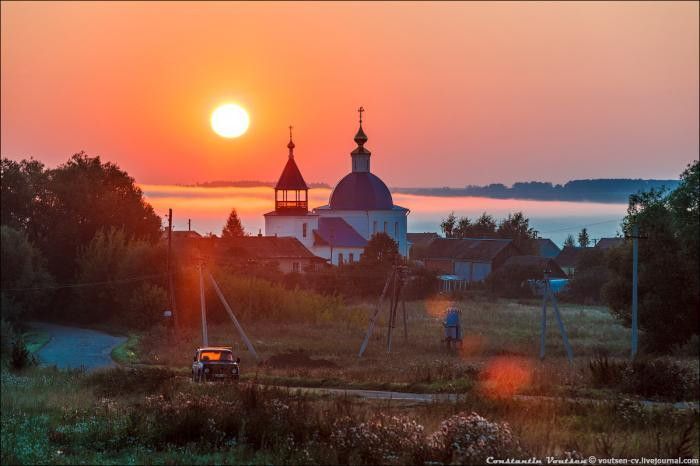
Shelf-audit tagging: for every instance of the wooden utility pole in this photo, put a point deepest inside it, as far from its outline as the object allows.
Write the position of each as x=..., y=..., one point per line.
x=171, y=298
x=373, y=320
x=635, y=252
x=244, y=337
x=203, y=305
x=189, y=224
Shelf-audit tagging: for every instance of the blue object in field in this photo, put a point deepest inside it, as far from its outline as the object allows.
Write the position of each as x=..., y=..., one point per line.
x=453, y=328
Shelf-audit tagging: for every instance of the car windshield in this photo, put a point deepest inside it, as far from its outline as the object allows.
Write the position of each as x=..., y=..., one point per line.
x=214, y=355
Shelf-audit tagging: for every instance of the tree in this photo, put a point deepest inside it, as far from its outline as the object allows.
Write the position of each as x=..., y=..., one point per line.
x=484, y=227
x=669, y=289
x=583, y=239
x=570, y=242
x=381, y=250
x=591, y=276
x=463, y=228
x=23, y=267
x=448, y=225
x=517, y=227
x=132, y=266
x=233, y=227
x=69, y=204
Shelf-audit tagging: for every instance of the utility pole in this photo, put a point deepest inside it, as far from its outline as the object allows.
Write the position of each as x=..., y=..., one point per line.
x=189, y=224
x=170, y=276
x=635, y=260
x=203, y=305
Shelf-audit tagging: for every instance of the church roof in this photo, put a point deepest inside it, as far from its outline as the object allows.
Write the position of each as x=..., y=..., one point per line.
x=291, y=177
x=361, y=191
x=336, y=232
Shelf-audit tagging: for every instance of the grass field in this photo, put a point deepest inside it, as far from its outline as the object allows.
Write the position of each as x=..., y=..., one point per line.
x=499, y=352
x=155, y=416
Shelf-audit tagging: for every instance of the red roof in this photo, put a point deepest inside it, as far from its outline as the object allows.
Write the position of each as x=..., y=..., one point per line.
x=266, y=247
x=291, y=177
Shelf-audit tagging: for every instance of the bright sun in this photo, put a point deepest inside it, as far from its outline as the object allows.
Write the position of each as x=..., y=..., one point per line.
x=230, y=120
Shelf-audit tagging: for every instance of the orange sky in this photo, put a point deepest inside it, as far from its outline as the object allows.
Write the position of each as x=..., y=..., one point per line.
x=455, y=93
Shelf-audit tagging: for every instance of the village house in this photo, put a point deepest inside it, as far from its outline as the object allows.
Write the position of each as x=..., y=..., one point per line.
x=537, y=262
x=418, y=242
x=547, y=248
x=469, y=259
x=567, y=259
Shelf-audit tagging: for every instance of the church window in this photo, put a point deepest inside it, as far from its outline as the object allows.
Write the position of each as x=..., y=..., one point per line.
x=385, y=223
x=340, y=258
x=374, y=227
x=396, y=230
x=351, y=258
x=295, y=267
x=303, y=230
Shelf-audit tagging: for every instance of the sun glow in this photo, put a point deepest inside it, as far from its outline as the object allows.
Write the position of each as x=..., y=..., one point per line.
x=230, y=121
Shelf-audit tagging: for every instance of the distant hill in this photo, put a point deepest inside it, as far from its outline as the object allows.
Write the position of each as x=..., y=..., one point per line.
x=244, y=184
x=612, y=190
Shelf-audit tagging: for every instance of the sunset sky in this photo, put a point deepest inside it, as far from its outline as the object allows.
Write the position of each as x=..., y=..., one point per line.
x=455, y=93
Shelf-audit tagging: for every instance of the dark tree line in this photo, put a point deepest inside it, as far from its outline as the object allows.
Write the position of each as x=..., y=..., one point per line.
x=515, y=226
x=84, y=221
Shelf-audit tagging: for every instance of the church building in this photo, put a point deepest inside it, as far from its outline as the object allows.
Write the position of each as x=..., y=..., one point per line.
x=360, y=206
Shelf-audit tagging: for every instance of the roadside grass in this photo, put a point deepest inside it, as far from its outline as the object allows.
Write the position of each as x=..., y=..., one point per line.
x=157, y=416
x=34, y=340
x=126, y=352
x=497, y=334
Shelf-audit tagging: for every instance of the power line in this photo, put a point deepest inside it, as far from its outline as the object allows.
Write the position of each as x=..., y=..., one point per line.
x=81, y=285
x=577, y=227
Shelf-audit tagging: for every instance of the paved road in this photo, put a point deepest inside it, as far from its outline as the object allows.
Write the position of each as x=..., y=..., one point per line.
x=72, y=348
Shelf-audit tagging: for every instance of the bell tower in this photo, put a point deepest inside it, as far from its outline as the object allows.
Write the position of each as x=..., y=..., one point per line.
x=291, y=191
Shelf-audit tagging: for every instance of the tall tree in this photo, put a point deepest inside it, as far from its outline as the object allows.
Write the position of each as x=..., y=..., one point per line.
x=448, y=225
x=233, y=227
x=484, y=227
x=669, y=282
x=66, y=206
x=583, y=239
x=381, y=250
x=569, y=242
x=517, y=227
x=463, y=228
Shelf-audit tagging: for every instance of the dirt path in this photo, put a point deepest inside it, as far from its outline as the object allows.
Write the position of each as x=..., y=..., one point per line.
x=454, y=397
x=72, y=347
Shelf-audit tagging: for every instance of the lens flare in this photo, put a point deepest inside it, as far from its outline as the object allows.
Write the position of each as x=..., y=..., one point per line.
x=505, y=376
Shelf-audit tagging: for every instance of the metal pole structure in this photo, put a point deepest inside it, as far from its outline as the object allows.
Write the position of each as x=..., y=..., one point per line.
x=635, y=253
x=373, y=320
x=203, y=305
x=244, y=337
x=543, y=337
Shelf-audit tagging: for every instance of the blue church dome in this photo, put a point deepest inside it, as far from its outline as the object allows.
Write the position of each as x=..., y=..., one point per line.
x=361, y=191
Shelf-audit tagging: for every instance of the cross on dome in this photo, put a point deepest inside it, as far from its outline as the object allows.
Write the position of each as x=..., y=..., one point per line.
x=291, y=143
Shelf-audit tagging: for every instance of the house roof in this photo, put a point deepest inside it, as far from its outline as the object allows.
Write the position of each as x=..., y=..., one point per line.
x=536, y=261
x=267, y=247
x=568, y=256
x=421, y=238
x=475, y=249
x=607, y=243
x=291, y=177
x=183, y=234
x=336, y=232
x=545, y=244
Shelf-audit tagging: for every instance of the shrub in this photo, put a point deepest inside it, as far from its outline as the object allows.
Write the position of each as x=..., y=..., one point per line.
x=470, y=439
x=603, y=371
x=21, y=357
x=662, y=378
x=510, y=281
x=383, y=439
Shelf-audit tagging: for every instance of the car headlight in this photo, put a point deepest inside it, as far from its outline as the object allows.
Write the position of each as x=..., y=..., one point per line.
x=206, y=369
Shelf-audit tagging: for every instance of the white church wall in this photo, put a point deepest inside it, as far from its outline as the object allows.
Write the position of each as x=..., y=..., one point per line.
x=325, y=252
x=293, y=225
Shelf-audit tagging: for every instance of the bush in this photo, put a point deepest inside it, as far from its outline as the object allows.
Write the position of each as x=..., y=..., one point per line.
x=605, y=372
x=511, y=281
x=21, y=358
x=659, y=378
x=383, y=439
x=470, y=439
